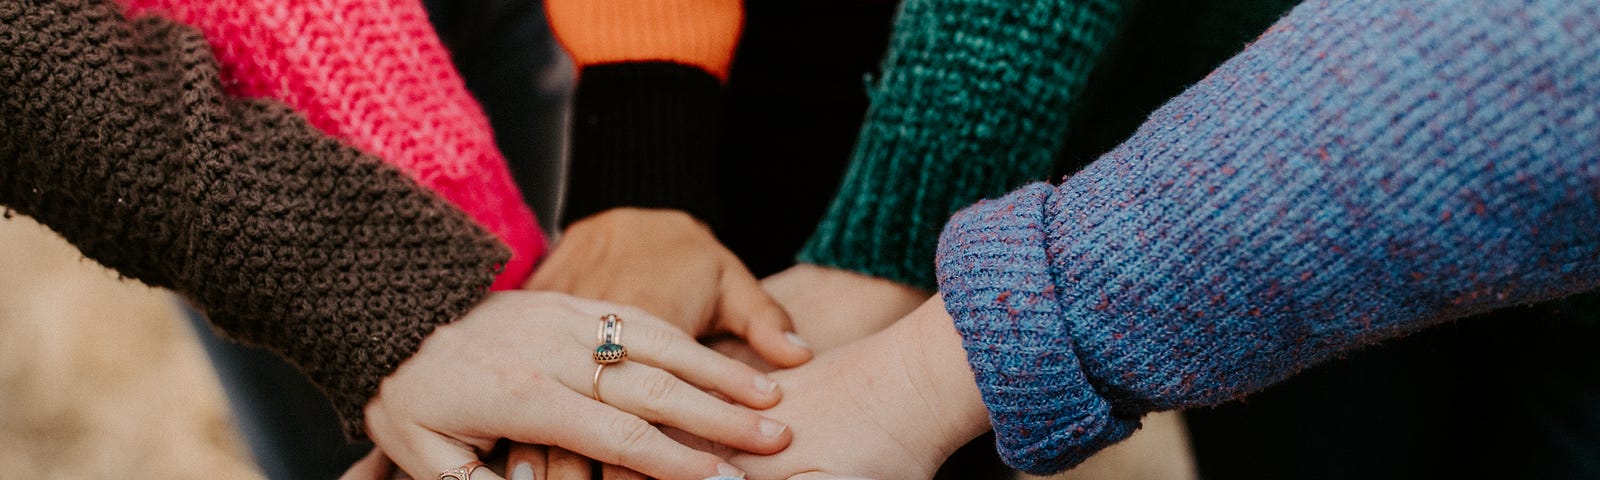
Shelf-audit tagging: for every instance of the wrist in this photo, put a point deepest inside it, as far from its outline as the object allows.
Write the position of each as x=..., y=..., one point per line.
x=930, y=350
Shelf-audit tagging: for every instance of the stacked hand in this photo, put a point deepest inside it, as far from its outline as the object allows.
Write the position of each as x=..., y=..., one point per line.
x=893, y=405
x=680, y=283
x=520, y=366
x=671, y=265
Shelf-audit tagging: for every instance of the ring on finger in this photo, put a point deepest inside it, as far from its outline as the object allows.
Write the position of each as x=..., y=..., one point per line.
x=610, y=350
x=463, y=472
x=610, y=330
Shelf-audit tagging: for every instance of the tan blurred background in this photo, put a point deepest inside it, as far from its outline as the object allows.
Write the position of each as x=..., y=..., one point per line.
x=101, y=378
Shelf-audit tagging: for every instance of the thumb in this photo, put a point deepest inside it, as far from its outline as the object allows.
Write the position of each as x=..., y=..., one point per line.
x=748, y=312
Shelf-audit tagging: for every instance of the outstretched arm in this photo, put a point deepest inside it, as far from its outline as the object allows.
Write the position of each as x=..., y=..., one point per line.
x=118, y=136
x=641, y=201
x=972, y=102
x=1363, y=170
x=373, y=74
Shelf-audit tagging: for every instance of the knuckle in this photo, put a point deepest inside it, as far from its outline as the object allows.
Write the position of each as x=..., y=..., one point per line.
x=662, y=339
x=659, y=387
x=631, y=311
x=632, y=434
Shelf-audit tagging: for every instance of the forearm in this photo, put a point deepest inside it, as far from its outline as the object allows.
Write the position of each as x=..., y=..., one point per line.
x=117, y=135
x=973, y=102
x=648, y=105
x=373, y=74
x=1363, y=170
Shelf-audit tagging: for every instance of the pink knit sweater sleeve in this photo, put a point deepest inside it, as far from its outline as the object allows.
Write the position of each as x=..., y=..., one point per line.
x=374, y=74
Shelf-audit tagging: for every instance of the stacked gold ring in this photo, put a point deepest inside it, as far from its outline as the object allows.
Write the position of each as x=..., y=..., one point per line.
x=610, y=350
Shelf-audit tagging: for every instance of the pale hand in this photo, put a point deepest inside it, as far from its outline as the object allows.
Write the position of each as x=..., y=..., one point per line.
x=671, y=265
x=891, y=406
x=831, y=307
x=519, y=366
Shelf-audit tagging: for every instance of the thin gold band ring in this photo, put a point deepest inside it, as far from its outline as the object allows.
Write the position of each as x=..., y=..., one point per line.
x=463, y=472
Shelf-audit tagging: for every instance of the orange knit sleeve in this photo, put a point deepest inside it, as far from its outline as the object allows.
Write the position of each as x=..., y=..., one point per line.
x=701, y=33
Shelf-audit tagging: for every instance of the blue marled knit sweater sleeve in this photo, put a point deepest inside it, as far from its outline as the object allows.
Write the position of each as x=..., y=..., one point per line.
x=1365, y=169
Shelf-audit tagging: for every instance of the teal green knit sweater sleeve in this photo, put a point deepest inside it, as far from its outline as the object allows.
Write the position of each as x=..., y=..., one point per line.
x=973, y=102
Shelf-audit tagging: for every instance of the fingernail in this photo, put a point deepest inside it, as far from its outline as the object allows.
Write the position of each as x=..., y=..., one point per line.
x=771, y=428
x=797, y=341
x=522, y=472
x=765, y=384
x=728, y=471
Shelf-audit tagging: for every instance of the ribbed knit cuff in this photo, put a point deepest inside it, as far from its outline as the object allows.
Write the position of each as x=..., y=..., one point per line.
x=995, y=278
x=644, y=135
x=973, y=101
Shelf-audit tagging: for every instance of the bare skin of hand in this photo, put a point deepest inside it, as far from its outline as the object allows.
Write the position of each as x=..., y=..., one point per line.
x=673, y=266
x=519, y=366
x=891, y=406
x=830, y=307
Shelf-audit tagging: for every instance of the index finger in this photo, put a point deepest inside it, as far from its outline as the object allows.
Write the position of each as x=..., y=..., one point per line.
x=598, y=431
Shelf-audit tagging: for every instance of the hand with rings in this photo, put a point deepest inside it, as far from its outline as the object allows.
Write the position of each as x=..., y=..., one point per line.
x=525, y=366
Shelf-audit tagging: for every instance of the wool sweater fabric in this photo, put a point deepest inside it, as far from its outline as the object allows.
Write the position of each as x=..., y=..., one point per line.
x=973, y=101
x=1363, y=170
x=972, y=90
x=121, y=137
x=374, y=74
x=647, y=107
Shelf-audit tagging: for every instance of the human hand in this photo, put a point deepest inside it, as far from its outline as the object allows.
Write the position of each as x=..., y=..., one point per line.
x=519, y=366
x=671, y=265
x=831, y=307
x=891, y=406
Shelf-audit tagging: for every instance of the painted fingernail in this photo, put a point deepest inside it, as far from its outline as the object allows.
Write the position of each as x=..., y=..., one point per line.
x=797, y=341
x=725, y=470
x=771, y=428
x=522, y=472
x=765, y=384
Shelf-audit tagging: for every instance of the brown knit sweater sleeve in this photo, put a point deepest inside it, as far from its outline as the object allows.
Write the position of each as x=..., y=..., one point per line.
x=117, y=135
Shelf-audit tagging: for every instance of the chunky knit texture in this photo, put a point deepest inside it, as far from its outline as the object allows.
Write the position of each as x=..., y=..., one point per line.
x=648, y=106
x=1365, y=169
x=373, y=73
x=120, y=137
x=973, y=102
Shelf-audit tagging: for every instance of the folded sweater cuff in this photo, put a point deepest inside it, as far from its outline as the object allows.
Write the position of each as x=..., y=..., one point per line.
x=994, y=274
